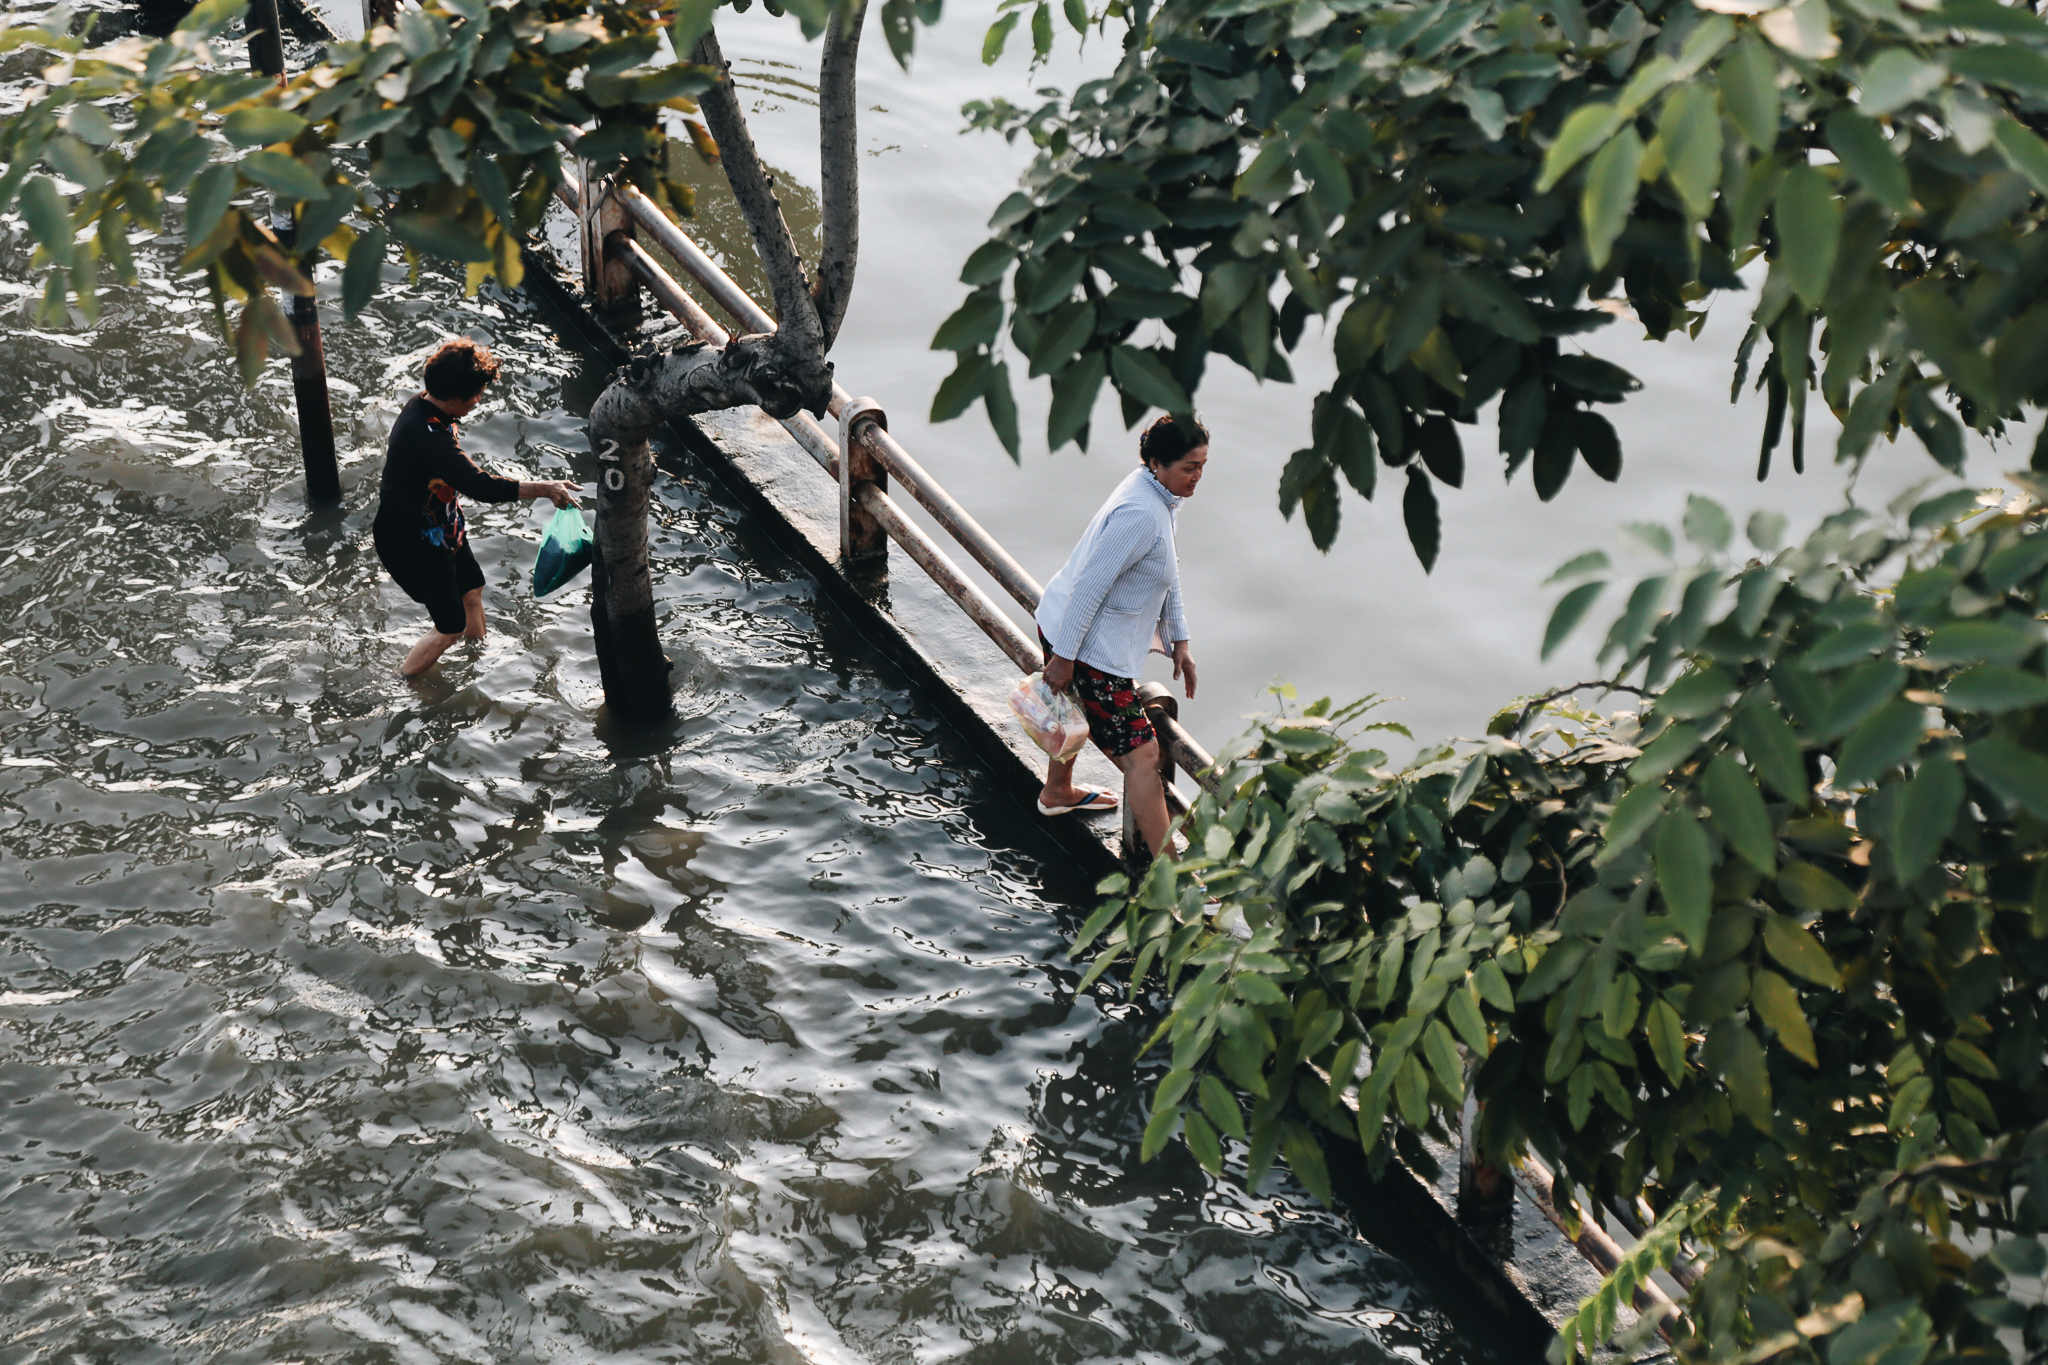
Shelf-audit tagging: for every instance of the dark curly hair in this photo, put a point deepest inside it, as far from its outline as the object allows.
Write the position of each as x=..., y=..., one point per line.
x=460, y=369
x=1167, y=440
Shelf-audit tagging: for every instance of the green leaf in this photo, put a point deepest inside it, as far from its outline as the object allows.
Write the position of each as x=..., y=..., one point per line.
x=2024, y=152
x=1884, y=739
x=1598, y=444
x=90, y=122
x=438, y=235
x=1557, y=965
x=1774, y=1000
x=1896, y=78
x=261, y=126
x=1001, y=405
x=692, y=21
x=1343, y=1068
x=1995, y=688
x=1925, y=813
x=283, y=174
x=1707, y=523
x=2003, y=64
x=1570, y=610
x=1419, y=514
x=1157, y=1132
x=1493, y=986
x=1690, y=127
x=1461, y=1007
x=974, y=323
x=1867, y=154
x=1667, y=1038
x=2018, y=775
x=1074, y=390
x=998, y=34
x=1610, y=193
x=364, y=271
x=1749, y=92
x=1809, y=888
x=49, y=218
x=1584, y=132
x=1738, y=812
x=1145, y=377
x=1633, y=814
x=1305, y=1159
x=1685, y=874
x=1066, y=330
x=960, y=388
x=1746, y=1074
x=1981, y=642
x=1201, y=1139
x=1809, y=219
x=1773, y=750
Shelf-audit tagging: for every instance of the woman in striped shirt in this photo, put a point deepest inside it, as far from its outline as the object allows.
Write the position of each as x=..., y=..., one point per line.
x=1117, y=596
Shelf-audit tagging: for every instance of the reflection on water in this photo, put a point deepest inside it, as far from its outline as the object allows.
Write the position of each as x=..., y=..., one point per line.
x=346, y=1019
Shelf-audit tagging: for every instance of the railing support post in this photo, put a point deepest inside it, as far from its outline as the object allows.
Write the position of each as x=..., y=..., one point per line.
x=862, y=541
x=607, y=281
x=1160, y=705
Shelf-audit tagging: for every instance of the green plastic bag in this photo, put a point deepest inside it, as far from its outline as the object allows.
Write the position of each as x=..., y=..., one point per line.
x=564, y=551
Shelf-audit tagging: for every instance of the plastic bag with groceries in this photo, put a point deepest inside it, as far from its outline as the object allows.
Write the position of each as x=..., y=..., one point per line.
x=1054, y=720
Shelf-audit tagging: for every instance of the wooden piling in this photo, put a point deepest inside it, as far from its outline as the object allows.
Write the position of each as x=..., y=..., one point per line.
x=608, y=281
x=309, y=366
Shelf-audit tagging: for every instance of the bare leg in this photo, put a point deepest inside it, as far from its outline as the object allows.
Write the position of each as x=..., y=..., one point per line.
x=473, y=614
x=1146, y=795
x=430, y=648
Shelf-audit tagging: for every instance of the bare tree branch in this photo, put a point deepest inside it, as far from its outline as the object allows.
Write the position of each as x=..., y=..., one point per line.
x=796, y=315
x=839, y=163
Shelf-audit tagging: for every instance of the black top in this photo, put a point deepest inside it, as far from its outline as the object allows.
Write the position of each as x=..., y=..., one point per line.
x=424, y=471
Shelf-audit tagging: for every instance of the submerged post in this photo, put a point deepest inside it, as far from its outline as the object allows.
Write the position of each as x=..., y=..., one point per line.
x=862, y=541
x=309, y=366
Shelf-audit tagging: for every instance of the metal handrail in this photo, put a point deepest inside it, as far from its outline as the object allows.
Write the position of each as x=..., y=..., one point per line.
x=956, y=520
x=993, y=620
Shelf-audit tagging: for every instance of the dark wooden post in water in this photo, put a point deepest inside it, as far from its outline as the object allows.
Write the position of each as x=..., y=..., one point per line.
x=309, y=366
x=862, y=541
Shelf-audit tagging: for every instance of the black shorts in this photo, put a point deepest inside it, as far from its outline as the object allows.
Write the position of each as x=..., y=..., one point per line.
x=435, y=580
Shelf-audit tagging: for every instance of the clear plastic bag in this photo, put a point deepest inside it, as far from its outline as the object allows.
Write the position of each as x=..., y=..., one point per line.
x=564, y=551
x=1054, y=720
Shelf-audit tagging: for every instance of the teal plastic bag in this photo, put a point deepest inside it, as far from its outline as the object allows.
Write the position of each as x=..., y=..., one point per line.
x=564, y=551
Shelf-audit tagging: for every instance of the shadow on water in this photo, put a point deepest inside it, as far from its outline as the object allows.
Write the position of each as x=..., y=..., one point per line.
x=343, y=1018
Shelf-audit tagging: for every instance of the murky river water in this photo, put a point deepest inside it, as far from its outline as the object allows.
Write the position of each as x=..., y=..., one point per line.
x=343, y=1019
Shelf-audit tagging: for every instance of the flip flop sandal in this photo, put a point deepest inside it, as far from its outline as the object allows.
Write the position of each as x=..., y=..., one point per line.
x=1100, y=802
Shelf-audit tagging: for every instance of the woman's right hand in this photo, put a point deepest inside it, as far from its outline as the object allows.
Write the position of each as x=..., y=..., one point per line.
x=1059, y=673
x=561, y=492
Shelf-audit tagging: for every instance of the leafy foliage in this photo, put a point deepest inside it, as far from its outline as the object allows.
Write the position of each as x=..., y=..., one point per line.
x=1448, y=184
x=444, y=129
x=1780, y=935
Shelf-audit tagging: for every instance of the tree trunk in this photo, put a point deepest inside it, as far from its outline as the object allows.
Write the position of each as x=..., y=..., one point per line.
x=630, y=663
x=783, y=372
x=838, y=166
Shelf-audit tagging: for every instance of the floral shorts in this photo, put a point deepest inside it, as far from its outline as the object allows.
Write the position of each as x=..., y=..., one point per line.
x=1116, y=719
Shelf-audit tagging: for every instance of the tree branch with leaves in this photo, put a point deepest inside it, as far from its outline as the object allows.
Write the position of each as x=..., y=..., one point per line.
x=1460, y=194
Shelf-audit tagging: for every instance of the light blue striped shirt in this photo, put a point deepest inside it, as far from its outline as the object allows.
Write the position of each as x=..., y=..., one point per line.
x=1120, y=588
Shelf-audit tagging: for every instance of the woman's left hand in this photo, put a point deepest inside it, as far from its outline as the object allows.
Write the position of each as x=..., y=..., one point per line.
x=1184, y=666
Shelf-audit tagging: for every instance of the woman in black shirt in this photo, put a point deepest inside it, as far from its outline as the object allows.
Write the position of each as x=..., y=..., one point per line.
x=420, y=532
